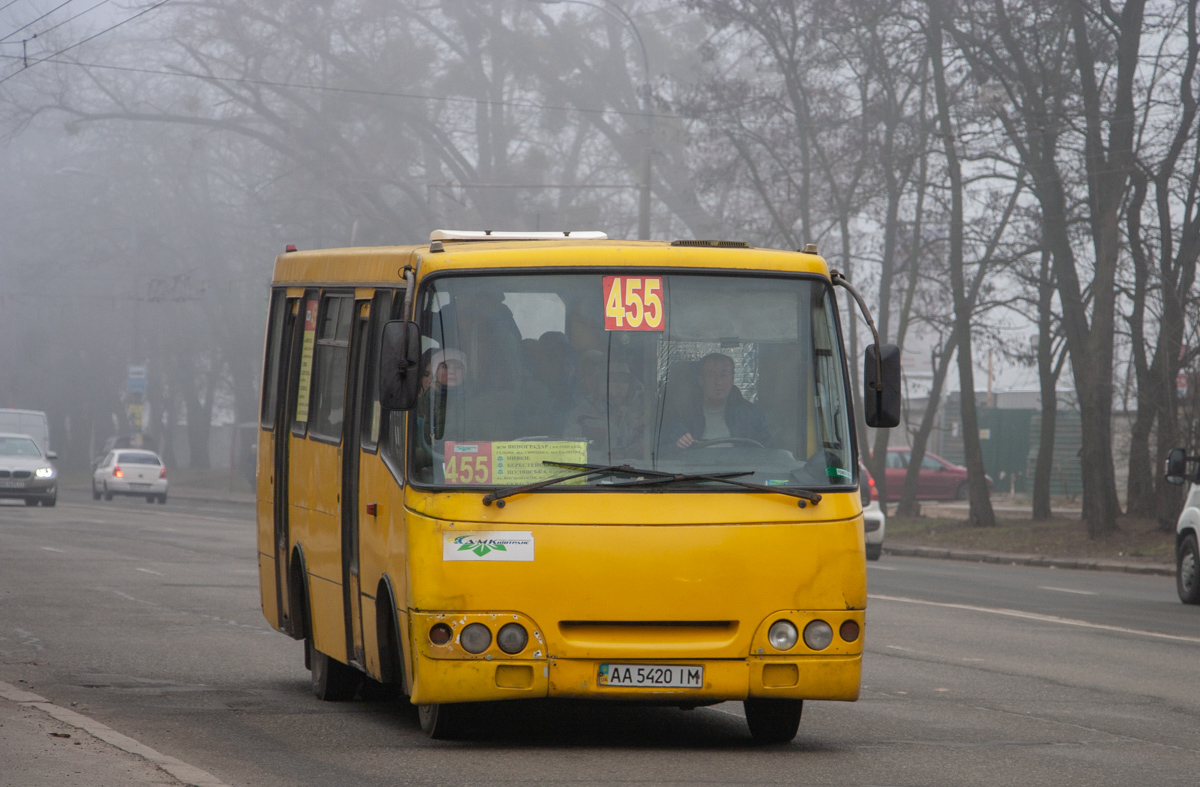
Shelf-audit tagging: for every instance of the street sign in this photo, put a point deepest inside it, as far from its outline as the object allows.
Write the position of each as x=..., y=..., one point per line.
x=136, y=382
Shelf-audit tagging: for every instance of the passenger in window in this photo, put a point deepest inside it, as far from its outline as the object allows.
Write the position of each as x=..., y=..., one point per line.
x=608, y=414
x=427, y=369
x=450, y=367
x=554, y=367
x=720, y=411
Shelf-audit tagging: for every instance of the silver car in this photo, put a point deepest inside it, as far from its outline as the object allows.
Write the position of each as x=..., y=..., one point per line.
x=130, y=471
x=26, y=472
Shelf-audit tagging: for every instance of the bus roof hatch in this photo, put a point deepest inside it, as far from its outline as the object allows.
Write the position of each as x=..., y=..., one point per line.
x=471, y=235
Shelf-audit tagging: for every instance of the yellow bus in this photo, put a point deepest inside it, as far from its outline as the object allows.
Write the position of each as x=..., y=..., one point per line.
x=525, y=465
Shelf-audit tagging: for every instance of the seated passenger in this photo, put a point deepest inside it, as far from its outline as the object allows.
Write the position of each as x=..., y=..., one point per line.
x=608, y=416
x=719, y=411
x=450, y=367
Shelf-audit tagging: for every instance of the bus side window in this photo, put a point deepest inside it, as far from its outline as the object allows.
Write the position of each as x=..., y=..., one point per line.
x=391, y=429
x=331, y=356
x=271, y=362
x=381, y=308
x=304, y=343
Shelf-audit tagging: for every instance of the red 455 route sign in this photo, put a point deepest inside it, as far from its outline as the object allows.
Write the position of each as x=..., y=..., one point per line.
x=634, y=303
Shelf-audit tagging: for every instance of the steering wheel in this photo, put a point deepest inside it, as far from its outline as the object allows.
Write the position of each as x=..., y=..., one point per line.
x=744, y=441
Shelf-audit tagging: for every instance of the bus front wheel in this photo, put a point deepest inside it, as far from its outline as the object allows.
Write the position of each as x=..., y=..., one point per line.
x=441, y=721
x=773, y=721
x=332, y=681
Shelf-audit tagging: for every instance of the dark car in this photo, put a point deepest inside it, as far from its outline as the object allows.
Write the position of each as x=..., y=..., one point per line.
x=936, y=480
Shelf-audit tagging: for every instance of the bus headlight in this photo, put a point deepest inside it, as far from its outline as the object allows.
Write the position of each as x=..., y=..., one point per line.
x=512, y=638
x=783, y=635
x=818, y=634
x=44, y=472
x=475, y=638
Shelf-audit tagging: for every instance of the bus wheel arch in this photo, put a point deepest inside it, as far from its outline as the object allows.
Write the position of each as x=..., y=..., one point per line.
x=297, y=593
x=389, y=638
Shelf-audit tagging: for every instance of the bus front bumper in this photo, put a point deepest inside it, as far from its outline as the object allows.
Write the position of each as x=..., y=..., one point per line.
x=809, y=677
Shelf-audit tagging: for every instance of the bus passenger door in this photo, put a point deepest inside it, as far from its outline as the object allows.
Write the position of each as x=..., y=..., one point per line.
x=351, y=460
x=284, y=404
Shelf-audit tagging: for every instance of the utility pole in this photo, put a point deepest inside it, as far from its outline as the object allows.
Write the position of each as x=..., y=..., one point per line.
x=644, y=90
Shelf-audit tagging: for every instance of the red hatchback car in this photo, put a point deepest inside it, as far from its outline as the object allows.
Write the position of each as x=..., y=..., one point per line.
x=937, y=480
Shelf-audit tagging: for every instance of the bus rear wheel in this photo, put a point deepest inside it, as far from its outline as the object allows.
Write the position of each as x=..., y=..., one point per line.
x=773, y=721
x=441, y=721
x=332, y=681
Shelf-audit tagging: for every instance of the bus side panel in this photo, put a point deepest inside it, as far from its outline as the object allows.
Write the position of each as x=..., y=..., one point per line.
x=316, y=469
x=382, y=547
x=266, y=527
x=328, y=617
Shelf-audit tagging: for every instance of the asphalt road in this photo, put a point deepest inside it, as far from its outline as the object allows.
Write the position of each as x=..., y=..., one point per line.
x=146, y=619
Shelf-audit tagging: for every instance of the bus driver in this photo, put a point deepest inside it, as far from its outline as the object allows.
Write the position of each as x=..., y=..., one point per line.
x=720, y=411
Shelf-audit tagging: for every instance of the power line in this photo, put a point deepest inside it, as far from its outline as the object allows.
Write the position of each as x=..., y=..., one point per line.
x=6, y=5
x=143, y=12
x=35, y=21
x=328, y=89
x=68, y=19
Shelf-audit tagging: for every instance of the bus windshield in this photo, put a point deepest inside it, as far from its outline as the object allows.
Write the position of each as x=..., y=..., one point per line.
x=680, y=373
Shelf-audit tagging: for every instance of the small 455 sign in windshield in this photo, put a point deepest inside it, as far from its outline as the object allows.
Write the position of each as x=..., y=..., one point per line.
x=634, y=303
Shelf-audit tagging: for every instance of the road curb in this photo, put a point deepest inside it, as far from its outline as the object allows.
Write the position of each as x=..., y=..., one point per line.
x=973, y=556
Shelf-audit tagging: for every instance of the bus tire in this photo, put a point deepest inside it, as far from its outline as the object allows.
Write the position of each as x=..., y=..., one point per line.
x=773, y=721
x=441, y=721
x=1187, y=570
x=332, y=681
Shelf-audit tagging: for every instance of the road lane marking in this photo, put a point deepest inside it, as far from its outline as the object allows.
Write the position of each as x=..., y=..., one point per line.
x=897, y=647
x=1068, y=590
x=1016, y=613
x=52, y=549
x=148, y=571
x=882, y=568
x=188, y=774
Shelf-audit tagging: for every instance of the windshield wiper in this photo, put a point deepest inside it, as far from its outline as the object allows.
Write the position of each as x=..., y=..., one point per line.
x=498, y=496
x=805, y=497
x=648, y=478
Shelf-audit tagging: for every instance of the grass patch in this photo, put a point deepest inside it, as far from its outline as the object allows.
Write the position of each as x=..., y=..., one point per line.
x=1137, y=539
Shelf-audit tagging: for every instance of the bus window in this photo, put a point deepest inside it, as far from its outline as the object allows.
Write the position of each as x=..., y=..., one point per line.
x=685, y=373
x=271, y=364
x=381, y=307
x=329, y=367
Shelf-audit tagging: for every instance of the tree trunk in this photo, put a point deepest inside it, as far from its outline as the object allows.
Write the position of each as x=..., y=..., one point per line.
x=981, y=514
x=1048, y=384
x=908, y=505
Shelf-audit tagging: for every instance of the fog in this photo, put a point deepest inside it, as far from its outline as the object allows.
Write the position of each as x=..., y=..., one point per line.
x=156, y=156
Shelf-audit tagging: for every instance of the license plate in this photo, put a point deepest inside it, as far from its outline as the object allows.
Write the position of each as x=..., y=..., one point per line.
x=672, y=676
x=139, y=486
x=10, y=484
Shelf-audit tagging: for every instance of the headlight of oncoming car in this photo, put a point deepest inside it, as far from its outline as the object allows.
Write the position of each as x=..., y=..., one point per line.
x=44, y=472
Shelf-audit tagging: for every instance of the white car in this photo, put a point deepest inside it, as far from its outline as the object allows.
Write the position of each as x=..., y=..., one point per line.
x=1181, y=468
x=874, y=518
x=26, y=472
x=130, y=471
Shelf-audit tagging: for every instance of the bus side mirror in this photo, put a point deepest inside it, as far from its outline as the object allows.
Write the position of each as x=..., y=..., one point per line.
x=1176, y=466
x=881, y=396
x=399, y=359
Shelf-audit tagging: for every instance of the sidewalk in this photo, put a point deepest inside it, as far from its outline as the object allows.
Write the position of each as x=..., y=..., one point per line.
x=39, y=751
x=1004, y=558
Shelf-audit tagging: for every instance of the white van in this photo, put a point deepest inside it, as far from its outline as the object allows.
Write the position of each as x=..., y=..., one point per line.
x=1182, y=468
x=30, y=422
